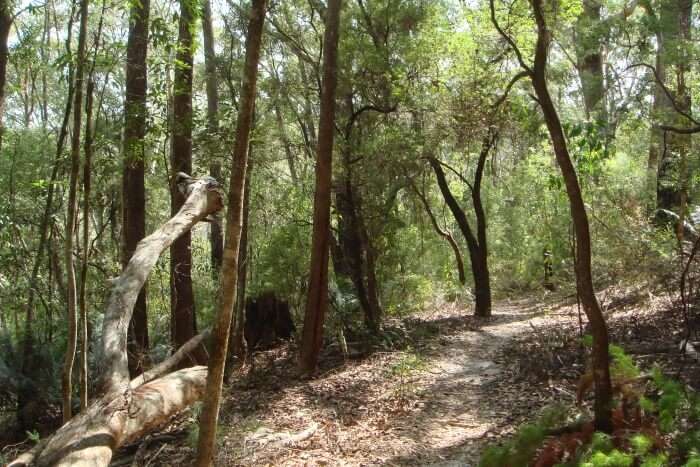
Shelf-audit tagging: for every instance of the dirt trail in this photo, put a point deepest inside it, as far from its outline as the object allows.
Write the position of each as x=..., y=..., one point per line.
x=435, y=403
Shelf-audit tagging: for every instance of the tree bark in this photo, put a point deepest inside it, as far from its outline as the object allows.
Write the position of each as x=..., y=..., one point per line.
x=87, y=169
x=182, y=311
x=115, y=420
x=234, y=224
x=476, y=244
x=5, y=25
x=599, y=330
x=238, y=343
x=71, y=217
x=29, y=363
x=216, y=237
x=317, y=298
x=133, y=176
x=203, y=199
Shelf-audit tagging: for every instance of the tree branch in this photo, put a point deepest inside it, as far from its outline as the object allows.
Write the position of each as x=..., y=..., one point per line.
x=513, y=81
x=508, y=39
x=666, y=91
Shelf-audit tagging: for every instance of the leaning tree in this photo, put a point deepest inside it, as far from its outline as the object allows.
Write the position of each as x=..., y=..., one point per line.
x=128, y=409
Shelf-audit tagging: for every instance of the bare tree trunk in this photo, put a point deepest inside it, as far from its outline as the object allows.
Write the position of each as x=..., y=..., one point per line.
x=71, y=217
x=133, y=175
x=5, y=25
x=238, y=343
x=182, y=311
x=672, y=20
x=206, y=447
x=216, y=237
x=86, y=246
x=29, y=365
x=599, y=330
x=285, y=138
x=683, y=142
x=317, y=299
x=477, y=244
x=202, y=199
x=87, y=172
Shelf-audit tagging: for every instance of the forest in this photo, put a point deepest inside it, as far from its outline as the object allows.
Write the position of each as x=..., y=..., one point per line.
x=349, y=232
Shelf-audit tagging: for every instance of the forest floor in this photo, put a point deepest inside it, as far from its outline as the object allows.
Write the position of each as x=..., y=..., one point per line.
x=451, y=385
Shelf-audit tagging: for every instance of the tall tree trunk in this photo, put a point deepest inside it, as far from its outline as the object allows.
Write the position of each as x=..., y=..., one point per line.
x=206, y=448
x=5, y=25
x=29, y=363
x=683, y=142
x=87, y=182
x=182, y=311
x=216, y=237
x=238, y=343
x=87, y=169
x=133, y=176
x=600, y=356
x=71, y=217
x=317, y=299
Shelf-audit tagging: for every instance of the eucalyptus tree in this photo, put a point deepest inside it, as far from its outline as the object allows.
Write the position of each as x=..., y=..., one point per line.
x=133, y=175
x=537, y=74
x=182, y=304
x=206, y=444
x=475, y=237
x=216, y=238
x=317, y=295
x=71, y=216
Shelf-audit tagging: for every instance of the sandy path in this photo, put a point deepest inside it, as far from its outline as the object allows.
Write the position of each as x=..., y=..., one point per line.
x=436, y=404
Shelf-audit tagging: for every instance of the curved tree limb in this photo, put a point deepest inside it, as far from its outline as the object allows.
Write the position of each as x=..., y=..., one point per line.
x=203, y=198
x=128, y=410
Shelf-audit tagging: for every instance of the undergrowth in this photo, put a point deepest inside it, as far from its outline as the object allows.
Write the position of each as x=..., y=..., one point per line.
x=656, y=424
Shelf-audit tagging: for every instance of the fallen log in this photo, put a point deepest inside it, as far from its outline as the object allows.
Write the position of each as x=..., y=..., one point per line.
x=127, y=409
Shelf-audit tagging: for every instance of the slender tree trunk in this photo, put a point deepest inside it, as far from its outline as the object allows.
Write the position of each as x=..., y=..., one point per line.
x=476, y=244
x=29, y=364
x=5, y=25
x=317, y=299
x=133, y=175
x=182, y=311
x=87, y=182
x=216, y=237
x=238, y=343
x=656, y=135
x=683, y=142
x=600, y=356
x=71, y=218
x=444, y=233
x=285, y=139
x=87, y=169
x=206, y=448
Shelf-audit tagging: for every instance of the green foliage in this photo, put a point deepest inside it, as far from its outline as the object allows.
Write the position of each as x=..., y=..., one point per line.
x=520, y=450
x=674, y=406
x=672, y=399
x=613, y=458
